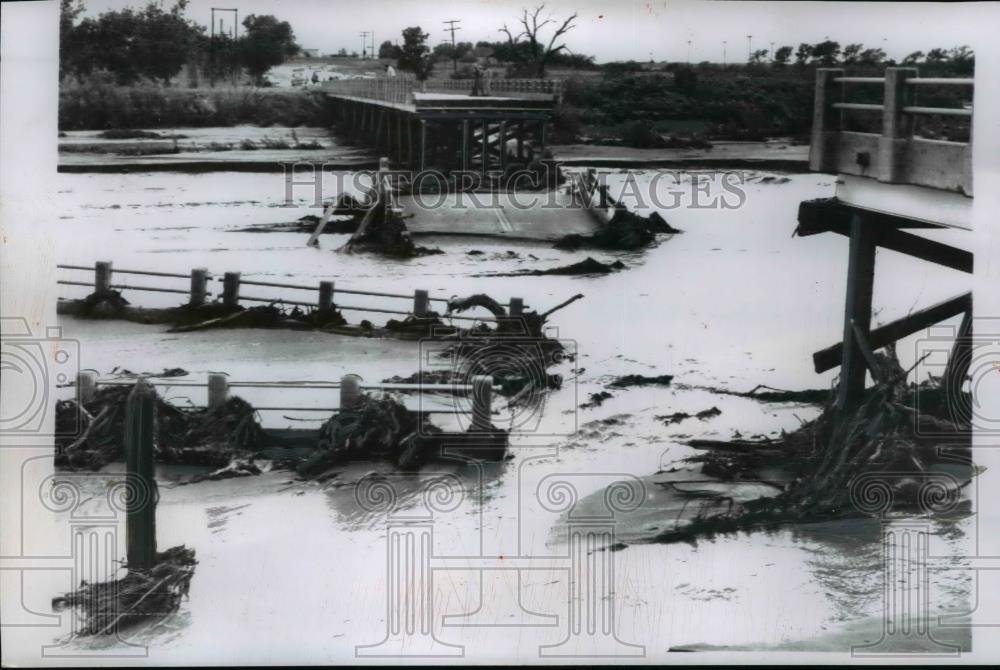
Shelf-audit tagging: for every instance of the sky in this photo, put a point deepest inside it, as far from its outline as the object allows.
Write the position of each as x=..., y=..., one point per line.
x=624, y=29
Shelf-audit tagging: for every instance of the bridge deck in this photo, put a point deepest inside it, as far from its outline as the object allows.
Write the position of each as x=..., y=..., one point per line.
x=550, y=217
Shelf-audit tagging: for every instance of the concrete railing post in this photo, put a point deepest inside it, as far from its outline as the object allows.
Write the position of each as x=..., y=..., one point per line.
x=218, y=390
x=140, y=505
x=421, y=303
x=516, y=307
x=482, y=402
x=231, y=289
x=350, y=391
x=826, y=120
x=86, y=386
x=325, y=295
x=199, y=286
x=896, y=126
x=102, y=276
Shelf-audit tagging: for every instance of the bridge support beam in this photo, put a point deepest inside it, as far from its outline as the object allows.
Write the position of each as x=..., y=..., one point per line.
x=857, y=313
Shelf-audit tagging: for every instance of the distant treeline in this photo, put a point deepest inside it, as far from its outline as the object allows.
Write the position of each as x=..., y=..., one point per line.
x=649, y=105
x=155, y=44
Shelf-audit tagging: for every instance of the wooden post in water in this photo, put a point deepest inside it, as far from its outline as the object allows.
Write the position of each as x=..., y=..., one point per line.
x=86, y=386
x=857, y=313
x=421, y=303
x=482, y=402
x=199, y=286
x=325, y=295
x=218, y=390
x=350, y=391
x=231, y=289
x=102, y=276
x=140, y=506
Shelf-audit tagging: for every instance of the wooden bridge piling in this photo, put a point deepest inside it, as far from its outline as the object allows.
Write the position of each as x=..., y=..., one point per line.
x=102, y=276
x=325, y=296
x=218, y=390
x=199, y=286
x=86, y=386
x=140, y=524
x=231, y=289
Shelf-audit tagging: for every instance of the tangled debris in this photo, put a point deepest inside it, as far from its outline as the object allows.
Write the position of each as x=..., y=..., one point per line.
x=677, y=417
x=627, y=381
x=92, y=436
x=383, y=231
x=141, y=595
x=107, y=303
x=626, y=231
x=584, y=267
x=770, y=394
x=267, y=316
x=884, y=436
x=383, y=428
x=596, y=399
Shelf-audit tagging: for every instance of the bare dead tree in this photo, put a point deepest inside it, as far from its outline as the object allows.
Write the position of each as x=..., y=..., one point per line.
x=532, y=25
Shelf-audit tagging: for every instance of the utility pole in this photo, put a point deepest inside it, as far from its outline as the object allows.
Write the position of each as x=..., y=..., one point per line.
x=749, y=48
x=364, y=43
x=723, y=52
x=772, y=52
x=689, y=52
x=221, y=33
x=451, y=28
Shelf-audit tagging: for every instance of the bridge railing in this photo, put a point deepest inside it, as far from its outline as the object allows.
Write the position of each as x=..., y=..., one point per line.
x=231, y=294
x=477, y=391
x=386, y=89
x=400, y=89
x=897, y=154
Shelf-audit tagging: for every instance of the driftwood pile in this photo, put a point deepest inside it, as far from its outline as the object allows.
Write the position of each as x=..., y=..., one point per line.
x=381, y=428
x=626, y=231
x=105, y=608
x=885, y=437
x=207, y=436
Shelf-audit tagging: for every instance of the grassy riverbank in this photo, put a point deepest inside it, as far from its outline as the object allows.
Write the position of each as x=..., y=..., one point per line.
x=95, y=104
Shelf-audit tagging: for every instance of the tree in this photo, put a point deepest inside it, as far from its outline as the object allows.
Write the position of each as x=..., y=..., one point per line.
x=803, y=54
x=963, y=60
x=69, y=10
x=758, y=56
x=388, y=50
x=537, y=54
x=415, y=55
x=936, y=56
x=128, y=43
x=164, y=41
x=852, y=53
x=871, y=57
x=782, y=55
x=913, y=58
x=825, y=53
x=266, y=42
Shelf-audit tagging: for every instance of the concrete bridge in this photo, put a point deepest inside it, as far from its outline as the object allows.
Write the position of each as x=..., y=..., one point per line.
x=440, y=124
x=888, y=181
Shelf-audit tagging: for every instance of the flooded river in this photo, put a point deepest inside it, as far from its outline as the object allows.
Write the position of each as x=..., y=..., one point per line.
x=295, y=571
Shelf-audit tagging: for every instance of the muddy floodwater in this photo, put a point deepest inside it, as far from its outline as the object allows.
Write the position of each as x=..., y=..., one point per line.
x=296, y=571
